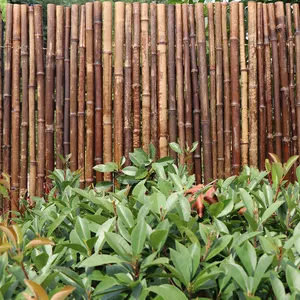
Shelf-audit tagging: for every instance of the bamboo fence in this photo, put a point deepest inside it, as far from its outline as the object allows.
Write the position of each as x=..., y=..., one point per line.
x=105, y=78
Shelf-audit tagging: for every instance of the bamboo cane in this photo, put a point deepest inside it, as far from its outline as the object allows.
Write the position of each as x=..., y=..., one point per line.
x=25, y=112
x=49, y=90
x=227, y=125
x=59, y=52
x=98, y=87
x=145, y=76
x=212, y=76
x=107, y=84
x=205, y=119
x=32, y=105
x=119, y=81
x=276, y=79
x=196, y=106
x=1, y=102
x=15, y=112
x=127, y=84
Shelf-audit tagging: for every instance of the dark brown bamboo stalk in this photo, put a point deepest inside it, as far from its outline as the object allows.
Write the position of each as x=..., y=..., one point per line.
x=1, y=102
x=119, y=81
x=40, y=77
x=205, y=119
x=261, y=88
x=90, y=101
x=268, y=80
x=32, y=106
x=146, y=105
x=212, y=76
x=196, y=106
x=276, y=79
x=107, y=84
x=59, y=52
x=284, y=80
x=98, y=87
x=227, y=125
x=25, y=106
x=162, y=80
x=81, y=96
x=15, y=111
x=179, y=80
x=67, y=82
x=127, y=84
x=153, y=92
x=49, y=90
x=136, y=74
x=73, y=87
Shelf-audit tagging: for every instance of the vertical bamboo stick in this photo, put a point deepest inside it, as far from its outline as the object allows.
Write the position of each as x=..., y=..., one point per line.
x=268, y=80
x=145, y=76
x=40, y=77
x=32, y=105
x=107, y=84
x=1, y=100
x=136, y=74
x=90, y=118
x=276, y=79
x=15, y=112
x=81, y=96
x=67, y=82
x=127, y=84
x=162, y=80
x=284, y=80
x=261, y=88
x=179, y=80
x=25, y=112
x=212, y=76
x=119, y=81
x=98, y=87
x=49, y=90
x=153, y=38
x=244, y=88
x=227, y=126
x=196, y=106
x=73, y=87
x=205, y=120
x=59, y=52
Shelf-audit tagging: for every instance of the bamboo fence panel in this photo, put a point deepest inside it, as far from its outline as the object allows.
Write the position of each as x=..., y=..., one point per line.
x=297, y=58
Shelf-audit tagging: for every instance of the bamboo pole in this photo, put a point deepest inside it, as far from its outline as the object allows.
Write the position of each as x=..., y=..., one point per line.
x=179, y=81
x=284, y=80
x=73, y=87
x=1, y=101
x=261, y=88
x=153, y=92
x=25, y=106
x=15, y=109
x=32, y=105
x=119, y=81
x=107, y=84
x=67, y=82
x=162, y=80
x=136, y=74
x=49, y=90
x=212, y=76
x=81, y=95
x=59, y=52
x=145, y=76
x=127, y=84
x=205, y=120
x=98, y=87
x=90, y=101
x=268, y=80
x=227, y=125
x=196, y=106
x=276, y=79
x=244, y=89
x=40, y=77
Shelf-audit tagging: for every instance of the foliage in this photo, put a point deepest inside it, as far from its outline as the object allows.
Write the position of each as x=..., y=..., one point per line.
x=139, y=238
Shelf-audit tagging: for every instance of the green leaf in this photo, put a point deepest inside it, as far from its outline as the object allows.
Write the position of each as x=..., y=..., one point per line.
x=271, y=209
x=176, y=180
x=99, y=260
x=248, y=201
x=175, y=147
x=75, y=247
x=158, y=238
x=106, y=168
x=158, y=201
x=130, y=170
x=184, y=208
x=119, y=245
x=195, y=253
x=139, y=189
x=298, y=174
x=82, y=228
x=277, y=173
x=290, y=163
x=167, y=291
x=215, y=209
x=218, y=246
x=262, y=266
x=55, y=224
x=125, y=215
x=182, y=263
x=248, y=257
x=277, y=285
x=105, y=227
x=238, y=274
x=138, y=237
x=293, y=278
